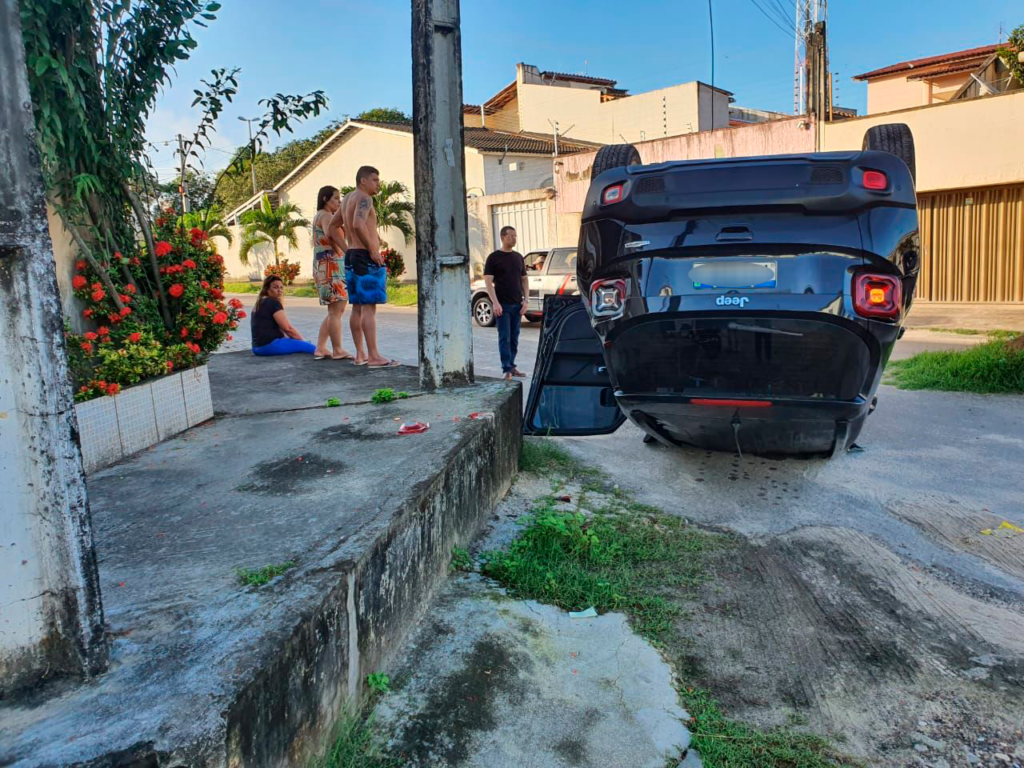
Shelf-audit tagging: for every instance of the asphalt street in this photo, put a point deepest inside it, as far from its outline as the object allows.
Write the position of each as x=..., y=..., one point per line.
x=397, y=336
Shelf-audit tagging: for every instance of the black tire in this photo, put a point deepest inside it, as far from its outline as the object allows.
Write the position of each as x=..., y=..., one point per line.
x=896, y=139
x=614, y=156
x=483, y=312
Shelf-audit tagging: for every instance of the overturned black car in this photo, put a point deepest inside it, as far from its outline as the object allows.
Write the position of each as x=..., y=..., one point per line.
x=745, y=304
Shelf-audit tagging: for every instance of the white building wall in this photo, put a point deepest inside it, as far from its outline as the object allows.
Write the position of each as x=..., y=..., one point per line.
x=531, y=172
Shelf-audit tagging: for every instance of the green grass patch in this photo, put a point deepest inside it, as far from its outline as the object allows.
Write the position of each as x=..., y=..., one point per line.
x=378, y=682
x=403, y=294
x=613, y=561
x=989, y=368
x=256, y=577
x=358, y=743
x=725, y=743
x=543, y=456
x=304, y=291
x=959, y=331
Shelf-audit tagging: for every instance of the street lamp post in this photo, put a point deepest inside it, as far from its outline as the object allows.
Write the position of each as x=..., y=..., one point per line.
x=252, y=151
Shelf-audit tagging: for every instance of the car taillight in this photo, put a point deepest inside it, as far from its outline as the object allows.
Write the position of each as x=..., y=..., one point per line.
x=616, y=193
x=607, y=297
x=875, y=180
x=877, y=296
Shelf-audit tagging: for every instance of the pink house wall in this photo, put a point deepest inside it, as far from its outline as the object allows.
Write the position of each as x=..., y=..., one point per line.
x=779, y=137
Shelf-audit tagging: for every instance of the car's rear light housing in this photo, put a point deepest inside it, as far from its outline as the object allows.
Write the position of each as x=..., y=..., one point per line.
x=607, y=298
x=615, y=193
x=877, y=296
x=876, y=181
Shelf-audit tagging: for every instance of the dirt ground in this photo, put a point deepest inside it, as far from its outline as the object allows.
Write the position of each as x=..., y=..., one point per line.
x=825, y=628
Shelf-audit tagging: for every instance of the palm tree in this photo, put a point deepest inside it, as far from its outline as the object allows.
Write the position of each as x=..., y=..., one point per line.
x=393, y=208
x=210, y=220
x=267, y=225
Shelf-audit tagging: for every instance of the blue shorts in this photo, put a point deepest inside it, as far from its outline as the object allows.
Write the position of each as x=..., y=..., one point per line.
x=284, y=346
x=367, y=281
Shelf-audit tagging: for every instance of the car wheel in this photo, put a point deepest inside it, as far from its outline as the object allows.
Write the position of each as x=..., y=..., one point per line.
x=614, y=156
x=483, y=312
x=896, y=139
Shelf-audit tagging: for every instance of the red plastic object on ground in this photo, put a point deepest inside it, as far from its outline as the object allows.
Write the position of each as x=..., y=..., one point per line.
x=413, y=429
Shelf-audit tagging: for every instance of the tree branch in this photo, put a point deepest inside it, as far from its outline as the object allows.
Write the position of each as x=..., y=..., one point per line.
x=87, y=253
x=147, y=235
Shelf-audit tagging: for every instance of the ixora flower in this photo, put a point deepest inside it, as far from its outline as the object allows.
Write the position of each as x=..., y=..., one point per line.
x=103, y=330
x=176, y=290
x=193, y=347
x=170, y=366
x=135, y=338
x=86, y=313
x=162, y=249
x=78, y=282
x=125, y=311
x=188, y=264
x=235, y=303
x=99, y=295
x=241, y=315
x=113, y=388
x=220, y=318
x=130, y=288
x=184, y=333
x=90, y=335
x=86, y=347
x=80, y=265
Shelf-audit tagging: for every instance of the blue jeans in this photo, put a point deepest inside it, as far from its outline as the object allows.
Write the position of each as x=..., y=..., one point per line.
x=284, y=346
x=508, y=335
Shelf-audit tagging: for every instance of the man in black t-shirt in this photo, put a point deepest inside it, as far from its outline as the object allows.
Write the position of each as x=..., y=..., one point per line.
x=508, y=287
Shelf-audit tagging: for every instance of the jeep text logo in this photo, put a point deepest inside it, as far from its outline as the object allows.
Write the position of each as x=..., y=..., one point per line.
x=732, y=301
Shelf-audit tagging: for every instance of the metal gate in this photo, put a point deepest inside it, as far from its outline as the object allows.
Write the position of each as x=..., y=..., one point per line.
x=530, y=220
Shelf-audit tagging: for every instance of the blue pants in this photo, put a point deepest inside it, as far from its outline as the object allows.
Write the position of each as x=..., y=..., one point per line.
x=508, y=335
x=284, y=346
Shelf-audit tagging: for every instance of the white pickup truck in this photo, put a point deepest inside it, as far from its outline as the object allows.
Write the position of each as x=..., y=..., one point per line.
x=550, y=272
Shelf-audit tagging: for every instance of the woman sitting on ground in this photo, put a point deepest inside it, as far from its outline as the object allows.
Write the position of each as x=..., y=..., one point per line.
x=272, y=333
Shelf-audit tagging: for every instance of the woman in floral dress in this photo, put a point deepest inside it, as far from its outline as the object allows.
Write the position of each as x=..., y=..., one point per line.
x=329, y=275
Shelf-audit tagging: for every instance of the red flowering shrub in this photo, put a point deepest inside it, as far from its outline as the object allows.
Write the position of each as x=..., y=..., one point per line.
x=134, y=343
x=393, y=263
x=286, y=270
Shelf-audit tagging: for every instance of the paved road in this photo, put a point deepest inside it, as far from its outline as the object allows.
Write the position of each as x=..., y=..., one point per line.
x=397, y=336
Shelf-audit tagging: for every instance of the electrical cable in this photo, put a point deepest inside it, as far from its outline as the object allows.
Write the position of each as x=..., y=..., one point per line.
x=772, y=19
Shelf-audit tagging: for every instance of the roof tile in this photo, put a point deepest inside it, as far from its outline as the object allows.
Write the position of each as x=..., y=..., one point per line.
x=929, y=61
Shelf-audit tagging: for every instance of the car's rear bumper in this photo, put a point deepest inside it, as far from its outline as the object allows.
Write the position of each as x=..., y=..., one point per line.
x=771, y=383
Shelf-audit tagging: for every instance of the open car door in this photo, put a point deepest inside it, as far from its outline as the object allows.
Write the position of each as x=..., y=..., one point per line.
x=571, y=392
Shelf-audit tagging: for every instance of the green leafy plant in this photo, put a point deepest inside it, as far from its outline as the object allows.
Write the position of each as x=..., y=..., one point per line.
x=995, y=367
x=333, y=402
x=385, y=115
x=1009, y=54
x=267, y=225
x=461, y=560
x=256, y=577
x=378, y=682
x=386, y=395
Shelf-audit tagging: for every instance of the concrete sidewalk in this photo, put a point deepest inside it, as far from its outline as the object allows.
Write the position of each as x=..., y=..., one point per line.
x=978, y=317
x=205, y=671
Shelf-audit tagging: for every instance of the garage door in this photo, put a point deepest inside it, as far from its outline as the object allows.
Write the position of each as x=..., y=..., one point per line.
x=972, y=244
x=530, y=220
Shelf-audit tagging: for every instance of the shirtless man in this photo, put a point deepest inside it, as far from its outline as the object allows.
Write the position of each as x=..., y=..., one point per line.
x=364, y=266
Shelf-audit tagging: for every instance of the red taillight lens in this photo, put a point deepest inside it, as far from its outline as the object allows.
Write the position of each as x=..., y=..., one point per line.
x=616, y=193
x=877, y=296
x=875, y=180
x=607, y=297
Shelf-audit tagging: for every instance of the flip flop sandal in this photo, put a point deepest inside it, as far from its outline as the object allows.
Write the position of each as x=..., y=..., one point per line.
x=388, y=364
x=357, y=362
x=320, y=357
x=343, y=357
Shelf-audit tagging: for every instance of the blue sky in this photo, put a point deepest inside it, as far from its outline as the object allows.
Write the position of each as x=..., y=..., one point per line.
x=360, y=53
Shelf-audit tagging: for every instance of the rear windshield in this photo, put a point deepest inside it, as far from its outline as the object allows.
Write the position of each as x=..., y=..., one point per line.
x=563, y=261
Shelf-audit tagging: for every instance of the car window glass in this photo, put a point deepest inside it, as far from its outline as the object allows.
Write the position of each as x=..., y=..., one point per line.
x=563, y=262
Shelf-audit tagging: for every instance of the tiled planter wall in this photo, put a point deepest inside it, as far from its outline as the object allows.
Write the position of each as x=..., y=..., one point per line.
x=111, y=428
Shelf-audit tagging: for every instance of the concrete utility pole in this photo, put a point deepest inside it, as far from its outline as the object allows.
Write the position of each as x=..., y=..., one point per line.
x=442, y=242
x=51, y=617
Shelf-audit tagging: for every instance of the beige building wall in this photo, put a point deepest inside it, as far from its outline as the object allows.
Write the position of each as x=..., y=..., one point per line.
x=971, y=143
x=388, y=151
x=645, y=116
x=778, y=137
x=506, y=118
x=888, y=94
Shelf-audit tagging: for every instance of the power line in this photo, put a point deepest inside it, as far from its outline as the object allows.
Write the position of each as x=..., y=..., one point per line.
x=772, y=19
